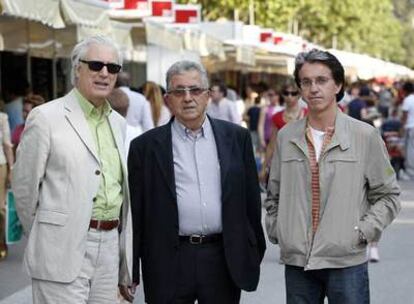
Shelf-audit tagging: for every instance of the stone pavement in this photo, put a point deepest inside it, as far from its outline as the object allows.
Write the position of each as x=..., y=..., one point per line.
x=391, y=280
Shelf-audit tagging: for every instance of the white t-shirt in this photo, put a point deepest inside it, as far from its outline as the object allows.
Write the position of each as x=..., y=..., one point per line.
x=317, y=137
x=131, y=133
x=408, y=106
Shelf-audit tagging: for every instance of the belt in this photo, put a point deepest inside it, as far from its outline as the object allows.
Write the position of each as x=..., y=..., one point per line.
x=198, y=239
x=103, y=225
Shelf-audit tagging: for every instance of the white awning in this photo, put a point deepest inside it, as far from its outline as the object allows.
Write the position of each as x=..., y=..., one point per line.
x=44, y=11
x=244, y=53
x=157, y=34
x=212, y=46
x=367, y=67
x=84, y=13
x=20, y=35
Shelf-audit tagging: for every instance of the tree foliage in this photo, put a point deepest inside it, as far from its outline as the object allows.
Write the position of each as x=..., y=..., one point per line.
x=382, y=28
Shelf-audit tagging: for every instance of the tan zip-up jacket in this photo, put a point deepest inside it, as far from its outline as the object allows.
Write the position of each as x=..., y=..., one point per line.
x=358, y=191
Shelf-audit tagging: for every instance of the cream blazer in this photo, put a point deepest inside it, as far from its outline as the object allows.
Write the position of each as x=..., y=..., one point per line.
x=54, y=183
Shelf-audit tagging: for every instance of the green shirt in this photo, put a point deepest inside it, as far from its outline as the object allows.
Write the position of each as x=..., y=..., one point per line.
x=108, y=200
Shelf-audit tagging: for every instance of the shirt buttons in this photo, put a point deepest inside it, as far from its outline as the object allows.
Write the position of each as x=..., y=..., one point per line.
x=97, y=172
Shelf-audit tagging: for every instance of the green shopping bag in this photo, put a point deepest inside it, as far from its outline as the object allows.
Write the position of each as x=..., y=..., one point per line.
x=14, y=229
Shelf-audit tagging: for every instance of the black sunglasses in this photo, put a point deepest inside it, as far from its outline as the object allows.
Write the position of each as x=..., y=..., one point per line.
x=291, y=93
x=96, y=66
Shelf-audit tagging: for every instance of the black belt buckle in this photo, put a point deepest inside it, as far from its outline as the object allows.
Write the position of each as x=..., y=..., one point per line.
x=196, y=239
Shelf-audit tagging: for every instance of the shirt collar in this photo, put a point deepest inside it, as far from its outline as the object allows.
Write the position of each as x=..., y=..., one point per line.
x=329, y=133
x=186, y=133
x=89, y=109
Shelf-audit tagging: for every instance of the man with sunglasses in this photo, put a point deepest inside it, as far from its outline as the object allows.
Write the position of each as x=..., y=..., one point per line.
x=195, y=200
x=70, y=185
x=331, y=191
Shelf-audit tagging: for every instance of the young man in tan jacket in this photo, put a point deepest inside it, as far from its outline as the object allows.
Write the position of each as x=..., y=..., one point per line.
x=331, y=190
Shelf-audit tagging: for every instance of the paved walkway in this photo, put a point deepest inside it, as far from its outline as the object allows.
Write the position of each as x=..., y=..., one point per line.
x=390, y=280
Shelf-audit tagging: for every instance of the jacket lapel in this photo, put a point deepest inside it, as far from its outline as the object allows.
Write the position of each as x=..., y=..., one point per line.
x=341, y=135
x=76, y=118
x=224, y=143
x=164, y=155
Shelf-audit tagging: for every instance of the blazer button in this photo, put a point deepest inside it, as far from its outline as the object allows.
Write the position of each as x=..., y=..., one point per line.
x=97, y=172
x=94, y=199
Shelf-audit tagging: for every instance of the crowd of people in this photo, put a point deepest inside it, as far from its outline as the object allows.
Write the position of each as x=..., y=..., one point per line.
x=163, y=184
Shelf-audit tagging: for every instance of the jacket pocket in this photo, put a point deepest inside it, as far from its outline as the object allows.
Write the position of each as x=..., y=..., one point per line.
x=52, y=217
x=292, y=160
x=342, y=158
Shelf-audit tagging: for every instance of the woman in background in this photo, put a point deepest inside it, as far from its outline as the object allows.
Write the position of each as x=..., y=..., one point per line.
x=29, y=102
x=6, y=164
x=160, y=113
x=273, y=105
x=293, y=111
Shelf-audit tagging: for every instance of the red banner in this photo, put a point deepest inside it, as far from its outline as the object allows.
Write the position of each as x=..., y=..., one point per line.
x=266, y=36
x=187, y=13
x=162, y=8
x=136, y=4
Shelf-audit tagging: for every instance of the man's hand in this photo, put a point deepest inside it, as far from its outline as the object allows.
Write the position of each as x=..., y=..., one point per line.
x=127, y=292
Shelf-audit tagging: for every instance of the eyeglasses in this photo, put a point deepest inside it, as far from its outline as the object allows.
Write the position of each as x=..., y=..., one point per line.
x=319, y=81
x=181, y=92
x=96, y=66
x=290, y=93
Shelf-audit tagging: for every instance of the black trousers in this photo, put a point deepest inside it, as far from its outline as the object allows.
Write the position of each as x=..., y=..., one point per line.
x=204, y=276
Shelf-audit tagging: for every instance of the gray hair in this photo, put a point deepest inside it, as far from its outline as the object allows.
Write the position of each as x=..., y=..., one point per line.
x=80, y=50
x=185, y=66
x=325, y=58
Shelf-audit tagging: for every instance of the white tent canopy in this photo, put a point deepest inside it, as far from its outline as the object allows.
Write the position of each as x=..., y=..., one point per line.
x=44, y=11
x=367, y=67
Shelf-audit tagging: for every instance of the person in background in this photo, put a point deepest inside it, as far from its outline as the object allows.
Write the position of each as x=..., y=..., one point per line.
x=160, y=113
x=220, y=107
x=391, y=133
x=386, y=100
x=231, y=94
x=30, y=101
x=6, y=164
x=250, y=95
x=331, y=190
x=238, y=101
x=139, y=110
x=119, y=101
x=407, y=121
x=13, y=96
x=292, y=111
x=372, y=115
x=70, y=186
x=357, y=108
x=273, y=105
x=350, y=94
x=252, y=119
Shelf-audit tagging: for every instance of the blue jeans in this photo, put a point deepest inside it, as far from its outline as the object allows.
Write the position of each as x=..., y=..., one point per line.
x=348, y=285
